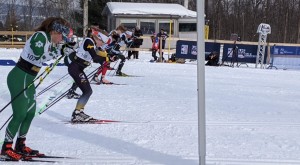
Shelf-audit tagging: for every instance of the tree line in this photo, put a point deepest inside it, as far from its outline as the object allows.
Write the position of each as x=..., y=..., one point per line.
x=224, y=17
x=244, y=16
x=25, y=15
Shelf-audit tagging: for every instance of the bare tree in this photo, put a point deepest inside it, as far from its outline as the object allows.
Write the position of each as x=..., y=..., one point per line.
x=11, y=19
x=225, y=16
x=28, y=14
x=244, y=16
x=298, y=16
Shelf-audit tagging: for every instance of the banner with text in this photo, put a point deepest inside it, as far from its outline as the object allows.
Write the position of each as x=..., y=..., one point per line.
x=285, y=57
x=245, y=53
x=188, y=49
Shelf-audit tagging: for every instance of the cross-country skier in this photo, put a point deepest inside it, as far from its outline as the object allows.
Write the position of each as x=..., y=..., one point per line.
x=104, y=62
x=120, y=38
x=86, y=53
x=39, y=48
x=69, y=57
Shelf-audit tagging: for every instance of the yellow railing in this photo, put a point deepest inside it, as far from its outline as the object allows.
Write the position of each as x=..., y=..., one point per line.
x=11, y=35
x=27, y=34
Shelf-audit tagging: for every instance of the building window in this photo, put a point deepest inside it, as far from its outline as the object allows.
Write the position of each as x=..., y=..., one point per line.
x=187, y=27
x=129, y=24
x=147, y=27
x=166, y=26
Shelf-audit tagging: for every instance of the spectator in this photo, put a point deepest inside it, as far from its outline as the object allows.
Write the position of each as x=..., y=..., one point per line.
x=213, y=59
x=162, y=34
x=137, y=41
x=154, y=48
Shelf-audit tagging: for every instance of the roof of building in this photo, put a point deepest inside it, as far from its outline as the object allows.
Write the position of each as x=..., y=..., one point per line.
x=164, y=9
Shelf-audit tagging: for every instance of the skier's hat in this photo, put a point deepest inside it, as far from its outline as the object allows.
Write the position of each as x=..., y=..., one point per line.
x=100, y=35
x=128, y=33
x=58, y=27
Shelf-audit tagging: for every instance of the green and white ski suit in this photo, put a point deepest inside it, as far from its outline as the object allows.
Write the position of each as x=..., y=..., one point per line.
x=38, y=49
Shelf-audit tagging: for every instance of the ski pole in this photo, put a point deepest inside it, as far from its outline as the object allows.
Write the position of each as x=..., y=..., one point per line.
x=47, y=71
x=44, y=108
x=5, y=122
x=41, y=80
x=125, y=50
x=114, y=70
x=52, y=85
x=52, y=102
x=57, y=94
x=90, y=75
x=47, y=105
x=25, y=89
x=114, y=55
x=50, y=98
x=40, y=75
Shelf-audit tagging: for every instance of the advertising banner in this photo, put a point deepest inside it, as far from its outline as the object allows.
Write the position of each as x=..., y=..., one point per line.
x=188, y=49
x=285, y=50
x=244, y=53
x=285, y=57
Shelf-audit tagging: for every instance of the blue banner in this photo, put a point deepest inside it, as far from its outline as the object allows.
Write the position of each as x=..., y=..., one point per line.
x=285, y=50
x=8, y=62
x=285, y=57
x=245, y=53
x=188, y=49
x=211, y=46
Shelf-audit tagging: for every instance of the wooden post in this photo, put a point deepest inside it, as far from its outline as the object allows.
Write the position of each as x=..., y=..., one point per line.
x=169, y=39
x=160, y=50
x=12, y=36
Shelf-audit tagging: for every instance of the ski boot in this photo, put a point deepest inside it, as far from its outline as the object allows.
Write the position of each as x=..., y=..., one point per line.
x=110, y=68
x=72, y=94
x=104, y=81
x=121, y=74
x=96, y=80
x=8, y=154
x=22, y=149
x=80, y=116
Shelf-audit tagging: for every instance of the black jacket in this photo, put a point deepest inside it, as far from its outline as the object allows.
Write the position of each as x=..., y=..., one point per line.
x=138, y=41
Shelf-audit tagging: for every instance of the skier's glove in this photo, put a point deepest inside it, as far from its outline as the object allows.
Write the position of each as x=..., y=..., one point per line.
x=67, y=48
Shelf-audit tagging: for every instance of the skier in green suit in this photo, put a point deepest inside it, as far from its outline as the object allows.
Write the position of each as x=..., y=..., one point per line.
x=42, y=46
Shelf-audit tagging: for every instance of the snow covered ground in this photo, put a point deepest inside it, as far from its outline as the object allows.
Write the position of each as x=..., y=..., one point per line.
x=252, y=116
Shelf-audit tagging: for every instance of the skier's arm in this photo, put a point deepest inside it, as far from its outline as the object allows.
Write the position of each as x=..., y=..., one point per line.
x=90, y=47
x=37, y=44
x=166, y=35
